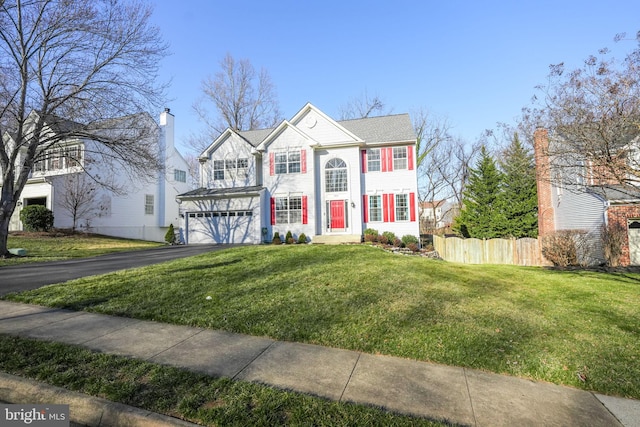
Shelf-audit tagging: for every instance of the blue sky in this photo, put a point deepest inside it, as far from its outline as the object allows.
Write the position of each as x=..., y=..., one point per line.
x=474, y=62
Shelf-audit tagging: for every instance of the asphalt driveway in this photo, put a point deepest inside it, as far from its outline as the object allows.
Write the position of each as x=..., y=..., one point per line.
x=23, y=277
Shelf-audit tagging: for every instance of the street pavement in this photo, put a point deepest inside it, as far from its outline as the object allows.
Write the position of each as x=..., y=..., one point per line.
x=458, y=395
x=23, y=277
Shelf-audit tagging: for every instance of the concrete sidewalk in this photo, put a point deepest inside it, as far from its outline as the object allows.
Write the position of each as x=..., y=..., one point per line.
x=458, y=395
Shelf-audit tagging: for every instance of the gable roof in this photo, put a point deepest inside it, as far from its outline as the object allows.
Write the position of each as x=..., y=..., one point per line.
x=371, y=130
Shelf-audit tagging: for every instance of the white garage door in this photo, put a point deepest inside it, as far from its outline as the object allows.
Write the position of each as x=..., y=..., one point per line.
x=223, y=227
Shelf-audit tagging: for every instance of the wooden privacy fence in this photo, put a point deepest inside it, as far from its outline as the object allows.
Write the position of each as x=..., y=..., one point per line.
x=491, y=251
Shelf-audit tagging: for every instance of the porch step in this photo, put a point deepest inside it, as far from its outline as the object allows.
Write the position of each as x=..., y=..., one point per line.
x=336, y=239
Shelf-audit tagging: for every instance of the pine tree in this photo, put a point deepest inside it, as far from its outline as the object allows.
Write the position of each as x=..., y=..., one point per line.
x=481, y=215
x=519, y=197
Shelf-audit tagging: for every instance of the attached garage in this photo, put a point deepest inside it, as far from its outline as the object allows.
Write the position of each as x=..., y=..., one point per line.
x=222, y=217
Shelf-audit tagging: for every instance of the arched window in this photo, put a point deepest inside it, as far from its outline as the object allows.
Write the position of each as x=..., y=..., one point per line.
x=336, y=176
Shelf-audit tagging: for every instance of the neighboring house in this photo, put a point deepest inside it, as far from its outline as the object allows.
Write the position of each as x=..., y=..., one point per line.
x=584, y=203
x=142, y=209
x=436, y=214
x=328, y=179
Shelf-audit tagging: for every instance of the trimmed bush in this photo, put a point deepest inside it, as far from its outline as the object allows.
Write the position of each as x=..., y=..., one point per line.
x=370, y=238
x=408, y=239
x=382, y=239
x=170, y=237
x=276, y=239
x=371, y=232
x=413, y=247
x=390, y=236
x=36, y=218
x=398, y=243
x=302, y=238
x=289, y=238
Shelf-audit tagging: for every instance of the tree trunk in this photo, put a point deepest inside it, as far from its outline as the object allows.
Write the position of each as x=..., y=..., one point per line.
x=5, y=219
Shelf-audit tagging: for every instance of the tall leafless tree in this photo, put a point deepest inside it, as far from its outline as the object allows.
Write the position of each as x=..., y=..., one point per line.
x=593, y=117
x=75, y=66
x=242, y=99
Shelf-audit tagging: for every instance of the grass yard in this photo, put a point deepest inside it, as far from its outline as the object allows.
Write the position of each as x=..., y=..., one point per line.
x=529, y=322
x=182, y=394
x=57, y=246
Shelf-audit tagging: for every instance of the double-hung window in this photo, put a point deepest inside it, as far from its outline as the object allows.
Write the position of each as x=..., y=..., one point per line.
x=242, y=167
x=230, y=168
x=148, y=204
x=375, y=208
x=373, y=160
x=218, y=169
x=402, y=207
x=399, y=158
x=179, y=175
x=288, y=210
x=287, y=162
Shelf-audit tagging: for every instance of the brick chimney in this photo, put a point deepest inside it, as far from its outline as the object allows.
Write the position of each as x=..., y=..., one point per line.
x=546, y=215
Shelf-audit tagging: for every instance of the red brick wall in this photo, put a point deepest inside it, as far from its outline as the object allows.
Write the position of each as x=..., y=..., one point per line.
x=619, y=215
x=546, y=214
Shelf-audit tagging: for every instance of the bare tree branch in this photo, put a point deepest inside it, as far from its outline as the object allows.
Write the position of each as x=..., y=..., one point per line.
x=242, y=99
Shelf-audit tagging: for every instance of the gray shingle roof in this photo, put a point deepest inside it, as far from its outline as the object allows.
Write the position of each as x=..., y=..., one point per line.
x=219, y=192
x=617, y=193
x=395, y=128
x=255, y=137
x=382, y=129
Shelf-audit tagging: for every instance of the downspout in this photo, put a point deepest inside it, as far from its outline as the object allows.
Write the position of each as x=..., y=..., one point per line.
x=607, y=205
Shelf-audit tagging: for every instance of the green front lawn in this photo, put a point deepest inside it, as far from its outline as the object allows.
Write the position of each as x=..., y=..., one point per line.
x=530, y=322
x=56, y=246
x=182, y=394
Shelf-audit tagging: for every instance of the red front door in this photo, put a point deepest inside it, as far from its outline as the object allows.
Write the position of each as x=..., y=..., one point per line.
x=337, y=213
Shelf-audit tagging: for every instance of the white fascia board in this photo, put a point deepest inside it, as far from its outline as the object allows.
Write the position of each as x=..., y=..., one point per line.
x=278, y=130
x=228, y=133
x=309, y=106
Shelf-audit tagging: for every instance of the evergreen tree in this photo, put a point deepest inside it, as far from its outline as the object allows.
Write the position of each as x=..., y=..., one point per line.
x=520, y=197
x=481, y=215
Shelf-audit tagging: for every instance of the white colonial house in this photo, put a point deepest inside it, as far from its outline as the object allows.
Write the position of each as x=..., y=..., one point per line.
x=311, y=174
x=142, y=209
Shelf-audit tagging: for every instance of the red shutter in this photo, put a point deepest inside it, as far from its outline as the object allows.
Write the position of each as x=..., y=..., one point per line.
x=273, y=211
x=383, y=159
x=303, y=161
x=390, y=159
x=385, y=207
x=304, y=210
x=392, y=209
x=272, y=166
x=365, y=208
x=412, y=206
x=364, y=161
x=410, y=157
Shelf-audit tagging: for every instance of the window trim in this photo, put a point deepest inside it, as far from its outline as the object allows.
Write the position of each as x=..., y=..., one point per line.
x=149, y=204
x=375, y=211
x=400, y=155
x=402, y=213
x=371, y=161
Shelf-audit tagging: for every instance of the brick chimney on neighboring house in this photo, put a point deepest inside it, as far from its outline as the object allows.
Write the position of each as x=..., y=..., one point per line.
x=546, y=216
